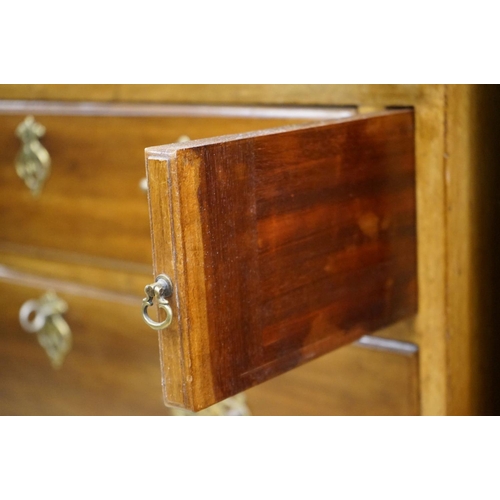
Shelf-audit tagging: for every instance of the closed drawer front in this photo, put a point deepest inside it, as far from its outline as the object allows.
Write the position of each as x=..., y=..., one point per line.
x=111, y=369
x=92, y=202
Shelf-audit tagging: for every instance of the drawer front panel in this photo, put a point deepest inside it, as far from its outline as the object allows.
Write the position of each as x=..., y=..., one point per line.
x=112, y=368
x=92, y=203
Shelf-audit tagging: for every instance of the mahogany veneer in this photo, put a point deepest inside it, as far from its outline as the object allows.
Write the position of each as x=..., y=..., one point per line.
x=282, y=245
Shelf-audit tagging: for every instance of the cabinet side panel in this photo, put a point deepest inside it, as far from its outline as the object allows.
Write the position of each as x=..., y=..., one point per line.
x=227, y=247
x=308, y=241
x=336, y=228
x=191, y=282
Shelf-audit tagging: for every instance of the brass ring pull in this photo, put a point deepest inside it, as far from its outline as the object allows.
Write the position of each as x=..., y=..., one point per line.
x=160, y=290
x=162, y=304
x=28, y=309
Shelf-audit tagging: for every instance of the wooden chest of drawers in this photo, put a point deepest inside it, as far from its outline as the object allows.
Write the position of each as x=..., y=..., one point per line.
x=87, y=237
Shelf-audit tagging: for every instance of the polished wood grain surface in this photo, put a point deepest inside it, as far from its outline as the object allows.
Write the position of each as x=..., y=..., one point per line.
x=456, y=158
x=106, y=274
x=312, y=94
x=112, y=368
x=473, y=181
x=283, y=246
x=353, y=380
x=114, y=371
x=92, y=203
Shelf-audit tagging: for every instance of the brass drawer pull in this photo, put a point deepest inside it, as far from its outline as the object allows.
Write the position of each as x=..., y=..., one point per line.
x=44, y=317
x=33, y=161
x=160, y=290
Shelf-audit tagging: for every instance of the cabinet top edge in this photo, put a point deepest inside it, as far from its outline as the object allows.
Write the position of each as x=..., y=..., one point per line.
x=246, y=94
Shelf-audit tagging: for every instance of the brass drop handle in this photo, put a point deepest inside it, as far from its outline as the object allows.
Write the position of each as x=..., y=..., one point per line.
x=160, y=290
x=43, y=316
x=33, y=160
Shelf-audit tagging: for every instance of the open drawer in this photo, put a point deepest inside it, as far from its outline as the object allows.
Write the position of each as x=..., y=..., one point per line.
x=278, y=246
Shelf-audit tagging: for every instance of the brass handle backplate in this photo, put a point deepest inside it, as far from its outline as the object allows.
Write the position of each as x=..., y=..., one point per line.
x=33, y=160
x=160, y=290
x=44, y=317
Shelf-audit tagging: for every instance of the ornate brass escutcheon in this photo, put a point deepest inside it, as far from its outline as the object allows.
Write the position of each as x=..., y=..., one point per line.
x=44, y=317
x=33, y=161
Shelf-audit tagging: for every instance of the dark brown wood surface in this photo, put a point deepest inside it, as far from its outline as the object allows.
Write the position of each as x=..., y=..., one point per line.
x=112, y=368
x=115, y=371
x=283, y=245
